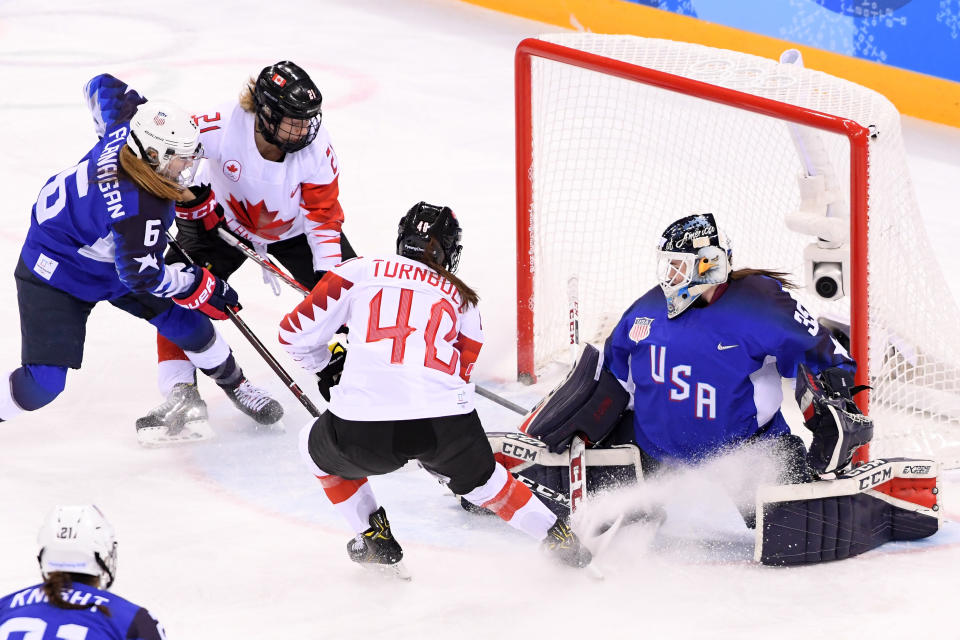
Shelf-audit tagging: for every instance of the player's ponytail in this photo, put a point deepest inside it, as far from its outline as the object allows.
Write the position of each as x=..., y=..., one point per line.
x=779, y=276
x=468, y=296
x=58, y=582
x=247, y=100
x=148, y=179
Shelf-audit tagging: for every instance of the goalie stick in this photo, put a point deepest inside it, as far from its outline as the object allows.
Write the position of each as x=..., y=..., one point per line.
x=271, y=266
x=256, y=343
x=578, y=446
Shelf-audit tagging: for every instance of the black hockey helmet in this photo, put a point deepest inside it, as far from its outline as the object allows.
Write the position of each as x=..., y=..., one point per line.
x=423, y=222
x=284, y=90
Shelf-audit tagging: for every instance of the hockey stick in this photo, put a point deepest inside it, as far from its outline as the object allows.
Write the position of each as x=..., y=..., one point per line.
x=257, y=344
x=270, y=266
x=578, y=446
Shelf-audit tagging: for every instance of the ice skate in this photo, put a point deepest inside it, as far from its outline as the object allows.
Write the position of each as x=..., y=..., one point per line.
x=377, y=549
x=255, y=402
x=181, y=418
x=564, y=546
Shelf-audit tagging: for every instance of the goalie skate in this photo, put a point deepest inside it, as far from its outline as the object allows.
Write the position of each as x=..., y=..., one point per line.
x=181, y=418
x=256, y=403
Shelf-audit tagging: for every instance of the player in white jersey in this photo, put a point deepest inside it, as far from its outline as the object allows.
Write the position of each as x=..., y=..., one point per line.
x=271, y=178
x=405, y=391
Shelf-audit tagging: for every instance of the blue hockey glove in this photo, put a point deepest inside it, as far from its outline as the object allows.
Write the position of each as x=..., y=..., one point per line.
x=210, y=295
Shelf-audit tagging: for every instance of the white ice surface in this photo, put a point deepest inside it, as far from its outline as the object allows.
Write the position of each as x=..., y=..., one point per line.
x=234, y=539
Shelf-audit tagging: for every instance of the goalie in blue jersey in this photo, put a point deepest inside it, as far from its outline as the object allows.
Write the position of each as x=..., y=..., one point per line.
x=694, y=369
x=97, y=233
x=78, y=562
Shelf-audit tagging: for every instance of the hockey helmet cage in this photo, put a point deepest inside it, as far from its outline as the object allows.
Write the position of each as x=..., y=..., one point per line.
x=284, y=90
x=693, y=255
x=165, y=137
x=425, y=221
x=78, y=539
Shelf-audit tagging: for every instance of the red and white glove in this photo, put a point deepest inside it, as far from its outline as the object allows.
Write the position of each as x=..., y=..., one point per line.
x=210, y=295
x=203, y=209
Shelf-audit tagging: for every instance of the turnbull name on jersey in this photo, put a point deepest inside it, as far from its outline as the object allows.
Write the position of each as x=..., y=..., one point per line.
x=406, y=271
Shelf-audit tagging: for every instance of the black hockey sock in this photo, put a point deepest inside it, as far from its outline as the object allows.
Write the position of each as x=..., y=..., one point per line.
x=228, y=374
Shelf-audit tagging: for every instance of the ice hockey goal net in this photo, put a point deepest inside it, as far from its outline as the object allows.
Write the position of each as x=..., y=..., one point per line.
x=619, y=135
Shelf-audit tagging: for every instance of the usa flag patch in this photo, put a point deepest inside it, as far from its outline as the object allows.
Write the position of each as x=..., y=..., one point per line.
x=640, y=329
x=160, y=118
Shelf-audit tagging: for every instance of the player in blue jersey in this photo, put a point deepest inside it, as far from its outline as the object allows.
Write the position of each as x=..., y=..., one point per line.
x=694, y=370
x=703, y=354
x=696, y=364
x=78, y=561
x=97, y=232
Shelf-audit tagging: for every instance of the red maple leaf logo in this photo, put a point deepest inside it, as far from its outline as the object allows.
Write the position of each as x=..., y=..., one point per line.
x=232, y=168
x=258, y=219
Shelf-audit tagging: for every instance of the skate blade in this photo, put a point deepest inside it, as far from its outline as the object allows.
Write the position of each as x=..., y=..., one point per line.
x=599, y=542
x=594, y=572
x=396, y=571
x=273, y=427
x=195, y=431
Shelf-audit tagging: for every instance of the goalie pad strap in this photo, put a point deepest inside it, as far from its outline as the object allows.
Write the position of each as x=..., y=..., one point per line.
x=881, y=501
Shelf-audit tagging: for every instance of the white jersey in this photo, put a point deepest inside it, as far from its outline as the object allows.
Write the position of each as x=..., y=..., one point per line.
x=265, y=201
x=411, y=349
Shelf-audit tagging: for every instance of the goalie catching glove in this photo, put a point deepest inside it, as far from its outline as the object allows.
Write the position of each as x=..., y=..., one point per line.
x=838, y=426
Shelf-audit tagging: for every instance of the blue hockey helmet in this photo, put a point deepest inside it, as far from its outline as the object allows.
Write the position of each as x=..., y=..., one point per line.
x=693, y=255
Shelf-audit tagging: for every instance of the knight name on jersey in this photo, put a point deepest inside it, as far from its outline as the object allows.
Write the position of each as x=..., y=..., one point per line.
x=36, y=595
x=680, y=377
x=406, y=271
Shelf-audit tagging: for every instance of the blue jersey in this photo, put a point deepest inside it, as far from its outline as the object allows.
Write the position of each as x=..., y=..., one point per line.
x=93, y=232
x=711, y=377
x=28, y=614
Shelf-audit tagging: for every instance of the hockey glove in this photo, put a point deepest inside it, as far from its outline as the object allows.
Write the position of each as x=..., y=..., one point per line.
x=201, y=214
x=329, y=376
x=210, y=295
x=838, y=426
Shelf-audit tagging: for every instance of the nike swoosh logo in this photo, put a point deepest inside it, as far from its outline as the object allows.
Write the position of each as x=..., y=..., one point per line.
x=724, y=347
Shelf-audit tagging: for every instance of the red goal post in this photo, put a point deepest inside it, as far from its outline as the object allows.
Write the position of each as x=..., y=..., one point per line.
x=605, y=144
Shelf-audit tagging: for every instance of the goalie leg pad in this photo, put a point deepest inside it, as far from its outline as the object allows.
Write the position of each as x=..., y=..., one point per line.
x=879, y=502
x=589, y=401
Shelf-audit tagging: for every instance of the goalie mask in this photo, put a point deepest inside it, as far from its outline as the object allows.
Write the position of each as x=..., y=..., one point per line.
x=693, y=256
x=78, y=539
x=288, y=106
x=424, y=222
x=166, y=138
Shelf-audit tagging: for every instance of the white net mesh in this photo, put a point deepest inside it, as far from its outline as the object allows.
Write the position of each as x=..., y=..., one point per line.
x=615, y=161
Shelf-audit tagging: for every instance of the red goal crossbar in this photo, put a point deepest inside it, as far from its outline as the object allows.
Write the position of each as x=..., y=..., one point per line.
x=857, y=135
